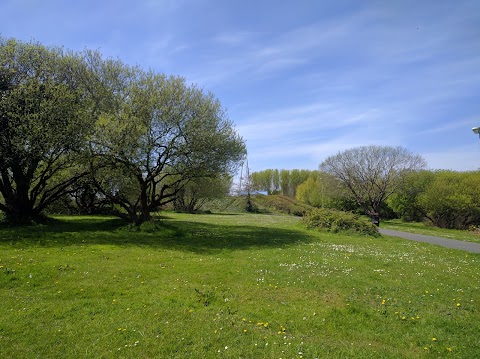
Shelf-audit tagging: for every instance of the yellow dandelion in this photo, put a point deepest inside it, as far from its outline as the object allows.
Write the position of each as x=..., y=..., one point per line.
x=434, y=339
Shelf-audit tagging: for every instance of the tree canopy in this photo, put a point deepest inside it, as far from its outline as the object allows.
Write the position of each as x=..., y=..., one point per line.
x=139, y=136
x=157, y=137
x=43, y=125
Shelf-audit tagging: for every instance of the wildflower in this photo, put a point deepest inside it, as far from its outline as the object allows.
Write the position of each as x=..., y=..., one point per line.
x=449, y=349
x=434, y=339
x=458, y=304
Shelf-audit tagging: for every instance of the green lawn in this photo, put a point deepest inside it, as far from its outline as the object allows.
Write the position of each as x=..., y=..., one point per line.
x=231, y=286
x=422, y=228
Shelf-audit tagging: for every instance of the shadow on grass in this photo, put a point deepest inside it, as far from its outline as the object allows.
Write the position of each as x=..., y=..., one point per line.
x=163, y=234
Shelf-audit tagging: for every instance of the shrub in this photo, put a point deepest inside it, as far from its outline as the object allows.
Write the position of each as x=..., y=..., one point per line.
x=337, y=221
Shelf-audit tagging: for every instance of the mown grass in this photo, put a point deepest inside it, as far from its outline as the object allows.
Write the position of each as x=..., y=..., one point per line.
x=230, y=286
x=422, y=228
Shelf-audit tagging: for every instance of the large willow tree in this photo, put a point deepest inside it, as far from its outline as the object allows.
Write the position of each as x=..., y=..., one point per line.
x=155, y=135
x=137, y=136
x=43, y=126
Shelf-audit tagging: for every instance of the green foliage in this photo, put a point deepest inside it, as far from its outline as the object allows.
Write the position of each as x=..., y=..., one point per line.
x=324, y=190
x=372, y=173
x=405, y=201
x=446, y=199
x=337, y=221
x=276, y=181
x=199, y=191
x=452, y=199
x=160, y=135
x=44, y=123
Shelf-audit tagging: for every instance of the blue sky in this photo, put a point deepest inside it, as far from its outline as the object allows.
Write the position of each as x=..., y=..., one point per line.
x=301, y=79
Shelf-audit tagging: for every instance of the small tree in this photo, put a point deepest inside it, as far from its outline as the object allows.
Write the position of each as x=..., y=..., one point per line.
x=372, y=173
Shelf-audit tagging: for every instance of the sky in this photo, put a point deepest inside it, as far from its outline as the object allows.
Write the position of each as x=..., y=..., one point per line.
x=300, y=79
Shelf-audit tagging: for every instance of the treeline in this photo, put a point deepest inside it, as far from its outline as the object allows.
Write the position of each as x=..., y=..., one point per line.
x=274, y=181
x=446, y=199
x=81, y=130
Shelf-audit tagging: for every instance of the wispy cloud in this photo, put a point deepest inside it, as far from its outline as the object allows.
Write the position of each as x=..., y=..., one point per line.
x=300, y=82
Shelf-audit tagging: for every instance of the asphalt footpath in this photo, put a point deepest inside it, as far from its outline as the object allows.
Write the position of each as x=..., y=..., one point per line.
x=444, y=242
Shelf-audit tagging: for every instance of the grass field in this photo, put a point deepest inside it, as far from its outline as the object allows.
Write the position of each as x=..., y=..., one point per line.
x=231, y=286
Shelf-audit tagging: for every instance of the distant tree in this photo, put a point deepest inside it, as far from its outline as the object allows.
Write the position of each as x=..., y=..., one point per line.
x=285, y=182
x=262, y=181
x=275, y=182
x=324, y=190
x=192, y=196
x=45, y=119
x=372, y=173
x=155, y=136
x=279, y=181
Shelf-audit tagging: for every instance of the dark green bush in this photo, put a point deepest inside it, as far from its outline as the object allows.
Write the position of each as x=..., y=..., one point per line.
x=337, y=221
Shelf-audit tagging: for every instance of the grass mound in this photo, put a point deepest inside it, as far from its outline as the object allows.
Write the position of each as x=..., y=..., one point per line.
x=261, y=204
x=281, y=204
x=337, y=221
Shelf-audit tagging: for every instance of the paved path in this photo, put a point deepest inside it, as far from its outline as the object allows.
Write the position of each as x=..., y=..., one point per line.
x=444, y=242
